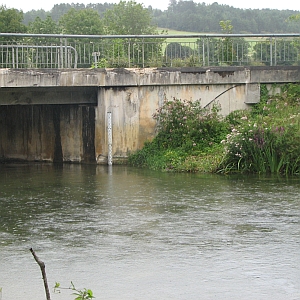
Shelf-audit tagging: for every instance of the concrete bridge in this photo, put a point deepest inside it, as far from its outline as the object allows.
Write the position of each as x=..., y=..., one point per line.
x=63, y=115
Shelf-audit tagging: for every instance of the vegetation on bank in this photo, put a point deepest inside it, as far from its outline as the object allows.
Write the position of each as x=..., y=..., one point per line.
x=190, y=138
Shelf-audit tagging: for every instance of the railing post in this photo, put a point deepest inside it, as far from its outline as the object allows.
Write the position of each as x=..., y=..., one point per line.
x=275, y=50
x=13, y=57
x=143, y=53
x=60, y=60
x=129, y=53
x=66, y=54
x=271, y=52
x=207, y=51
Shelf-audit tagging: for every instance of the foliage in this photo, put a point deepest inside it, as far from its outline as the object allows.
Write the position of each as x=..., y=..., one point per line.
x=195, y=17
x=131, y=18
x=228, y=50
x=294, y=18
x=128, y=18
x=11, y=20
x=43, y=26
x=83, y=294
x=282, y=52
x=266, y=139
x=184, y=128
x=177, y=50
x=31, y=15
x=40, y=26
x=202, y=17
x=84, y=21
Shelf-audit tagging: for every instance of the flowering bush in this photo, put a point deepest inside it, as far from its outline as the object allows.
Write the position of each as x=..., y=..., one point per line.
x=266, y=140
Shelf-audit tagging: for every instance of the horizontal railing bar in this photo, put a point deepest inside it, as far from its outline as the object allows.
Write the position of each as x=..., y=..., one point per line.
x=163, y=36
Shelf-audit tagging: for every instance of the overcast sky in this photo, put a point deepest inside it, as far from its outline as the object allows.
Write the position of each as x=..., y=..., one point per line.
x=27, y=5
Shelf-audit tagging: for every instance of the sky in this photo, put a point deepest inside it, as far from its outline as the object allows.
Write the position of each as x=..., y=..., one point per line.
x=160, y=4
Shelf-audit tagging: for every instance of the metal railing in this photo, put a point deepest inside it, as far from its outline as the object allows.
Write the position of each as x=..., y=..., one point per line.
x=19, y=50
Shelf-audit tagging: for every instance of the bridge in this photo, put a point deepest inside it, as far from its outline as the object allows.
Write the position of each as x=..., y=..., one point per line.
x=101, y=115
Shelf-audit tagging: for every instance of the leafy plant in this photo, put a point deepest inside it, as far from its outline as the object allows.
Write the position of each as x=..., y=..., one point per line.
x=184, y=128
x=83, y=294
x=266, y=139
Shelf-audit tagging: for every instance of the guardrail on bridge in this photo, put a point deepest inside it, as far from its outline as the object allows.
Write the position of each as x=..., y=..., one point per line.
x=20, y=50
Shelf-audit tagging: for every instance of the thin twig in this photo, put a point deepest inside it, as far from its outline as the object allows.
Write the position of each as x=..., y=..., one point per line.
x=42, y=266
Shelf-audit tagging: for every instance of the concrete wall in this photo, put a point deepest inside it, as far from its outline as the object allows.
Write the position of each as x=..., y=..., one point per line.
x=53, y=133
x=132, y=109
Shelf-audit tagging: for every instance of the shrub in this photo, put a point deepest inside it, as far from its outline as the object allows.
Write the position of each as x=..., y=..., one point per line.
x=184, y=128
x=267, y=139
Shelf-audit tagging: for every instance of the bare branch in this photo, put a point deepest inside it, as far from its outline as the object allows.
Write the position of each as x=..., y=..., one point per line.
x=42, y=267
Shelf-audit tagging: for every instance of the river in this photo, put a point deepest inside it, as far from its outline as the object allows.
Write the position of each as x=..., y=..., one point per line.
x=128, y=233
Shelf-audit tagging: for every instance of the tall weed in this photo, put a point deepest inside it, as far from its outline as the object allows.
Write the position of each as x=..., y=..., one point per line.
x=266, y=139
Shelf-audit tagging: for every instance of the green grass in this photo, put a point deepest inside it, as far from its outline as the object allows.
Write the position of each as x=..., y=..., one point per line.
x=177, y=32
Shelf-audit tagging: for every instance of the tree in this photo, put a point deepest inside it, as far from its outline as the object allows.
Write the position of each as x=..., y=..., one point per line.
x=82, y=21
x=11, y=20
x=294, y=18
x=226, y=50
x=231, y=51
x=129, y=18
x=176, y=50
x=43, y=26
x=30, y=16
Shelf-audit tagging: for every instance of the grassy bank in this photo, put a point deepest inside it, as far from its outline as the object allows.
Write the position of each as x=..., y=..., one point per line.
x=265, y=139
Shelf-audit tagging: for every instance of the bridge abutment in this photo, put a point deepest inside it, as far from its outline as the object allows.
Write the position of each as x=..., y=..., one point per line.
x=61, y=115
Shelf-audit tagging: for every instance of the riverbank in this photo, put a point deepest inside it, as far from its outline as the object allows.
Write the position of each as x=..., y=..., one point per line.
x=263, y=139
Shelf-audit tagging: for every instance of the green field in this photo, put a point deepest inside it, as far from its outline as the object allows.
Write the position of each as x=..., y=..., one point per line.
x=177, y=32
x=192, y=40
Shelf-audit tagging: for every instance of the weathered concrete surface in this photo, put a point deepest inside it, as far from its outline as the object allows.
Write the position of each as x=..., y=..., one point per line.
x=53, y=133
x=48, y=95
x=142, y=77
x=61, y=115
x=132, y=109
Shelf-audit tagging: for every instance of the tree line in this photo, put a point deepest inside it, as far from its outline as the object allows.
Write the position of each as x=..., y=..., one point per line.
x=180, y=15
x=205, y=18
x=122, y=19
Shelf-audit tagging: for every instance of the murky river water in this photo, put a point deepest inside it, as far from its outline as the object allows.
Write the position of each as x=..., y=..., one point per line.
x=133, y=234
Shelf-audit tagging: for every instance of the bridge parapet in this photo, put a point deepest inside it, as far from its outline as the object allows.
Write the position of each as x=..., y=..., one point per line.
x=146, y=77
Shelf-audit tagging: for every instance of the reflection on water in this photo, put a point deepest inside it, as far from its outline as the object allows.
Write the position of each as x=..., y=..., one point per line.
x=130, y=233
